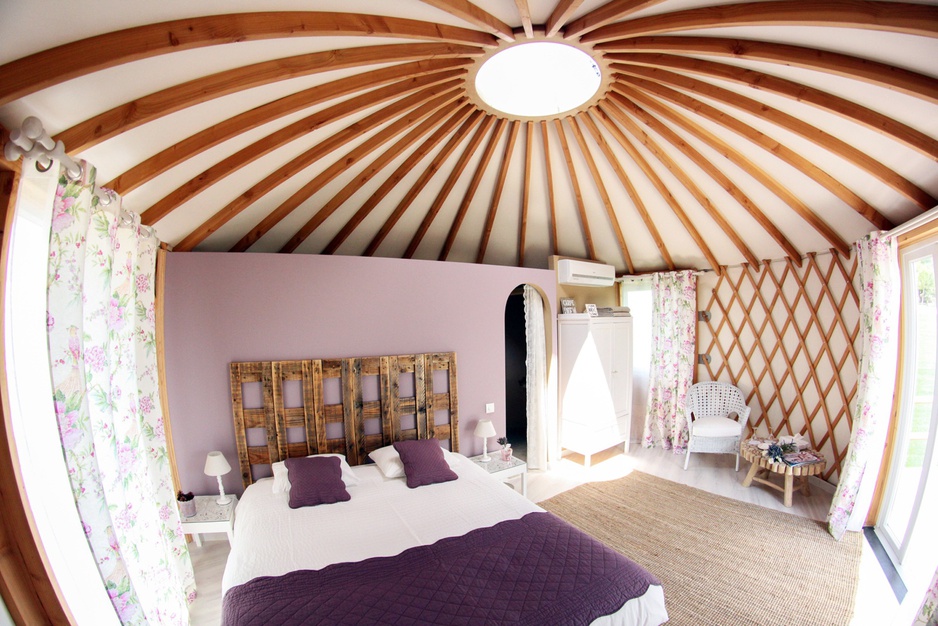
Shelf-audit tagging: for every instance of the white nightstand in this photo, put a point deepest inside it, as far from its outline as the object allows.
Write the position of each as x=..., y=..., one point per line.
x=211, y=517
x=504, y=470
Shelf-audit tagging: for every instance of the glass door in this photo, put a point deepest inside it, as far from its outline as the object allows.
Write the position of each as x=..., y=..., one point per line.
x=908, y=507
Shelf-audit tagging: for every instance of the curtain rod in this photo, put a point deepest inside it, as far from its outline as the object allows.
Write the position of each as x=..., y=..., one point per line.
x=914, y=223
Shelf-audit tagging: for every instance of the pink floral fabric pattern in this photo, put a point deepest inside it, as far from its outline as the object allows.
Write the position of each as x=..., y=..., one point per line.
x=928, y=613
x=879, y=338
x=673, y=330
x=102, y=340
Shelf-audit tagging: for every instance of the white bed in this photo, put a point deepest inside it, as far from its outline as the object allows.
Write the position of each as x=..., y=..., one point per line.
x=383, y=518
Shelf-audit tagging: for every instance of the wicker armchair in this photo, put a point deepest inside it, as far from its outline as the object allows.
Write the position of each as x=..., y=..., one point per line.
x=708, y=407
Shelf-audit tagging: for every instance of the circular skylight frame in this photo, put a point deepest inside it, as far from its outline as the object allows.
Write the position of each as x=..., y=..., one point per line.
x=597, y=65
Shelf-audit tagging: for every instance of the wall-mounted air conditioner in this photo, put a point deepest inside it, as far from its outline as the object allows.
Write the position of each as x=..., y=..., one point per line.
x=584, y=274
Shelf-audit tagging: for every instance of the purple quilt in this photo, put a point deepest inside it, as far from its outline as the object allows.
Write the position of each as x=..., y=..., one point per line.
x=534, y=570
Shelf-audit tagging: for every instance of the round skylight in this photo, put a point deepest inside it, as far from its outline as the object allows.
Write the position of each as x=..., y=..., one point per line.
x=538, y=79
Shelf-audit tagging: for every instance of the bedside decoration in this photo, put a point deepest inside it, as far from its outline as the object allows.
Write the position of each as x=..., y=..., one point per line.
x=217, y=465
x=567, y=305
x=485, y=430
x=592, y=310
x=186, y=503
x=506, y=448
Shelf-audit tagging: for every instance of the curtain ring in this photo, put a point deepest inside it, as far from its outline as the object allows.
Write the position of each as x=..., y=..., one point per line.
x=40, y=168
x=74, y=177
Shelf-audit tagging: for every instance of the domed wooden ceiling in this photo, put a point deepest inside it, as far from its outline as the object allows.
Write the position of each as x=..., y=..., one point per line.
x=723, y=132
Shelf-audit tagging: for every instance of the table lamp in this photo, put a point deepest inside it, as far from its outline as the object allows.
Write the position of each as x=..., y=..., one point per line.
x=485, y=430
x=217, y=465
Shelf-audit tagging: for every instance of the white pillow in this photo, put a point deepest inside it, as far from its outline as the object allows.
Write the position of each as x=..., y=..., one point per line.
x=282, y=480
x=389, y=461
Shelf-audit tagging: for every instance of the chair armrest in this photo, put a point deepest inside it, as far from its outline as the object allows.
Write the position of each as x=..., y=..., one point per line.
x=743, y=416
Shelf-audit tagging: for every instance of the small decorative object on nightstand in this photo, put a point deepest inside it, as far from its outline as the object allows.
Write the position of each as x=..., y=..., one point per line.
x=211, y=517
x=186, y=504
x=503, y=470
x=217, y=465
x=506, y=448
x=485, y=429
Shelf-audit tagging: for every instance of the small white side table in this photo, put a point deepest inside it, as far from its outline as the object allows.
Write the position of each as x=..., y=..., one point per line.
x=211, y=517
x=504, y=470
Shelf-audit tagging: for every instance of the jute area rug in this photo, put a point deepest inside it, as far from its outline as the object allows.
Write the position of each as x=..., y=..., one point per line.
x=721, y=561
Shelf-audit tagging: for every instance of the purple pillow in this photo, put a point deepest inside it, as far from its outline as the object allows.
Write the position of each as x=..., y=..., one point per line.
x=423, y=462
x=316, y=480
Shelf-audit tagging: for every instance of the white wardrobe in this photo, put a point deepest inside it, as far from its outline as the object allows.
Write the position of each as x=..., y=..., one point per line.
x=595, y=382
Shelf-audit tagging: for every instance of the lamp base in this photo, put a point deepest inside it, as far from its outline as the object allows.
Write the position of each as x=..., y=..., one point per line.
x=223, y=500
x=485, y=458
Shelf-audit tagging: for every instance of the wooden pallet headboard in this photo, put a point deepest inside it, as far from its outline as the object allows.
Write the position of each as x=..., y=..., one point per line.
x=348, y=381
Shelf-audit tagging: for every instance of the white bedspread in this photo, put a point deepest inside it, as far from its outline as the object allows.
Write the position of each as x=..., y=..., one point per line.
x=383, y=518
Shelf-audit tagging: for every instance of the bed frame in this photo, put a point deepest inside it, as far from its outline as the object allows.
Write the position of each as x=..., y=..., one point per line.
x=308, y=422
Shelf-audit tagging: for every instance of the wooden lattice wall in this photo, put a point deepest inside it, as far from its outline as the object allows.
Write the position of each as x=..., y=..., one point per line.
x=787, y=336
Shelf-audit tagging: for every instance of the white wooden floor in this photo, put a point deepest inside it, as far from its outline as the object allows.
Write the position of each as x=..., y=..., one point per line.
x=876, y=603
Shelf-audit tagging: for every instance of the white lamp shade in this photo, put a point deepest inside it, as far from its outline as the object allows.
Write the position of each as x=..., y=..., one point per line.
x=484, y=429
x=216, y=464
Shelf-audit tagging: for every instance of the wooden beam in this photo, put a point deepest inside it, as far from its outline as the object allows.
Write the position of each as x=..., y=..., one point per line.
x=72, y=60
x=524, y=12
x=465, y=10
x=603, y=194
x=413, y=108
x=791, y=123
x=283, y=136
x=605, y=14
x=737, y=158
x=473, y=187
x=428, y=172
x=561, y=14
x=896, y=17
x=581, y=208
x=871, y=72
x=608, y=110
x=448, y=186
x=636, y=198
x=369, y=172
x=499, y=186
x=788, y=155
x=161, y=103
x=525, y=191
x=224, y=130
x=551, y=204
x=846, y=109
x=415, y=157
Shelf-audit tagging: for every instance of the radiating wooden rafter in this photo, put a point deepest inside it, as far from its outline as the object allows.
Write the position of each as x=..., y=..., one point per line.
x=224, y=130
x=499, y=186
x=866, y=70
x=471, y=13
x=897, y=17
x=525, y=191
x=524, y=14
x=551, y=203
x=605, y=14
x=561, y=13
x=50, y=67
x=578, y=196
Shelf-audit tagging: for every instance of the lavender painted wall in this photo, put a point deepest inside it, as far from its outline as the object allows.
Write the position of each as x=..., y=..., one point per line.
x=250, y=307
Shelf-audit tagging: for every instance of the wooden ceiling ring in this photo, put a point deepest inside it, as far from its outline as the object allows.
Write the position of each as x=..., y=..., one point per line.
x=421, y=103
x=629, y=187
x=161, y=103
x=770, y=145
x=465, y=10
x=703, y=163
x=524, y=12
x=551, y=204
x=499, y=186
x=605, y=112
x=872, y=72
x=745, y=164
x=603, y=193
x=560, y=15
x=474, y=182
x=394, y=179
x=525, y=190
x=56, y=65
x=436, y=111
x=224, y=130
x=606, y=14
x=832, y=144
x=454, y=175
x=265, y=145
x=425, y=176
x=846, y=109
x=578, y=195
x=897, y=17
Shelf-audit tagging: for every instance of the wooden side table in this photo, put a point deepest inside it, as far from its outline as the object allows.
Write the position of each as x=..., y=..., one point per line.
x=762, y=469
x=211, y=517
x=504, y=470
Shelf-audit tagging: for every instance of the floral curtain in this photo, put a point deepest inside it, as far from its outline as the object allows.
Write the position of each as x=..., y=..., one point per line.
x=879, y=337
x=540, y=441
x=928, y=613
x=102, y=340
x=671, y=373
